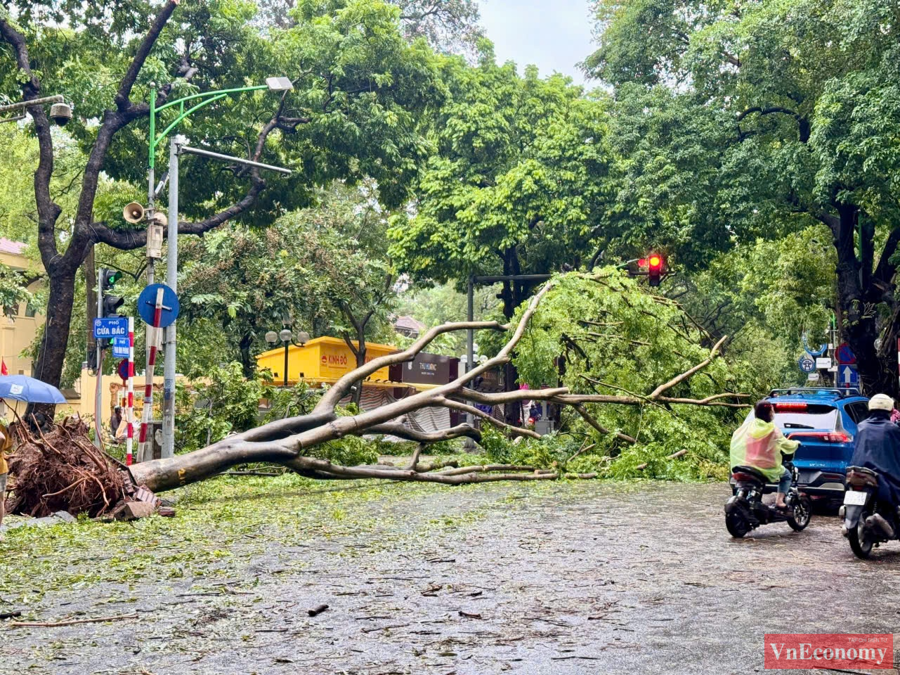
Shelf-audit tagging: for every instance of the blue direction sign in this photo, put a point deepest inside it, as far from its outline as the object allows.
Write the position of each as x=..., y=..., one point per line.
x=147, y=305
x=120, y=348
x=848, y=376
x=807, y=365
x=112, y=327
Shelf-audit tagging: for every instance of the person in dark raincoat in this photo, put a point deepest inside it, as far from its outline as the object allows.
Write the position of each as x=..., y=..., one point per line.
x=877, y=447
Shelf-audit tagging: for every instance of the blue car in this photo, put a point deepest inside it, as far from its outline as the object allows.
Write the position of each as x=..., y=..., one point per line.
x=825, y=422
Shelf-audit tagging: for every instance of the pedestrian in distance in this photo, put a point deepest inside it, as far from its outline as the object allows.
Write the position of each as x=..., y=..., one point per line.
x=115, y=421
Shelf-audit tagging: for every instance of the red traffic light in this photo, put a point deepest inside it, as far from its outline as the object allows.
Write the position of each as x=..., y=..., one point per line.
x=642, y=262
x=655, y=261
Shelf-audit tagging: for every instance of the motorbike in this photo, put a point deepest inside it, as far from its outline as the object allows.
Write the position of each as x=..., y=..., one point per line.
x=745, y=511
x=867, y=523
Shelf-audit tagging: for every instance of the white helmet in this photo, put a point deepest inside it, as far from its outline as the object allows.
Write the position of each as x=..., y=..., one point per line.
x=881, y=402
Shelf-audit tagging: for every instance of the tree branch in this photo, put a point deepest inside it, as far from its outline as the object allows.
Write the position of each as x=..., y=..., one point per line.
x=472, y=410
x=137, y=63
x=404, y=432
x=587, y=417
x=688, y=373
x=886, y=269
x=342, y=386
x=48, y=210
x=767, y=111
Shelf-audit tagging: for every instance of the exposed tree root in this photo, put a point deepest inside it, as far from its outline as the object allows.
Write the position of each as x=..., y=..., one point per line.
x=62, y=471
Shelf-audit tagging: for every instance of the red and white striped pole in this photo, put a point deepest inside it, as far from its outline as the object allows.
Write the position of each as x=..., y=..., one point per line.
x=129, y=404
x=151, y=364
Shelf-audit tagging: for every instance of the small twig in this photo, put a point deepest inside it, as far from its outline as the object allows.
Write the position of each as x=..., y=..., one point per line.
x=584, y=448
x=414, y=462
x=54, y=624
x=315, y=611
x=680, y=453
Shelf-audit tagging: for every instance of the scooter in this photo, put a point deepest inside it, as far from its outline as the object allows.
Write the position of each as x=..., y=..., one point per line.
x=867, y=523
x=745, y=511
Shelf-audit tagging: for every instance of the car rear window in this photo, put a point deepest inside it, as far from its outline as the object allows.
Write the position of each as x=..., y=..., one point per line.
x=805, y=416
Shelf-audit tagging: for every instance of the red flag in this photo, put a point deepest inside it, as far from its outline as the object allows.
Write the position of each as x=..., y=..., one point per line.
x=3, y=369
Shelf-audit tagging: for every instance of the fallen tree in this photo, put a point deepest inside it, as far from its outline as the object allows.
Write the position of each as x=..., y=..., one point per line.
x=289, y=442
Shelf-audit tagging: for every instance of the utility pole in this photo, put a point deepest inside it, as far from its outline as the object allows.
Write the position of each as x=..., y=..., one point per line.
x=151, y=277
x=184, y=107
x=168, y=445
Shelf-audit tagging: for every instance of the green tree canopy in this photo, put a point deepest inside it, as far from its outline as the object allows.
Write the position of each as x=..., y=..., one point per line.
x=516, y=183
x=360, y=90
x=786, y=117
x=324, y=269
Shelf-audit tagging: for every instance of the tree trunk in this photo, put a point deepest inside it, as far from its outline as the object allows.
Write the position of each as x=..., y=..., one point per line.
x=248, y=364
x=360, y=362
x=90, y=287
x=860, y=316
x=52, y=350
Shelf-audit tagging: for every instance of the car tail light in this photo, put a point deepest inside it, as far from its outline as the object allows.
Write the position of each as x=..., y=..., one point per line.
x=824, y=437
x=791, y=407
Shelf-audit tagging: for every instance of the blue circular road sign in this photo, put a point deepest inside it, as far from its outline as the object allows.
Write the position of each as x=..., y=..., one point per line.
x=147, y=305
x=807, y=365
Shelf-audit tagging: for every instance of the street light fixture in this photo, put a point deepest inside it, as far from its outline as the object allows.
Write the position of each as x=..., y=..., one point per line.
x=186, y=106
x=60, y=111
x=204, y=98
x=287, y=338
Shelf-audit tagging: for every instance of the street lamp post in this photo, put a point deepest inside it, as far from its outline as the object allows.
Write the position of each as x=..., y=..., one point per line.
x=186, y=106
x=60, y=111
x=287, y=338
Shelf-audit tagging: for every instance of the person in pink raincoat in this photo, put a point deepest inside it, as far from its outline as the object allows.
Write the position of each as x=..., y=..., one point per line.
x=758, y=443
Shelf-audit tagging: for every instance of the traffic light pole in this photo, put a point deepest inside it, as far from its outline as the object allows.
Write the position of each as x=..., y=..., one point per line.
x=98, y=390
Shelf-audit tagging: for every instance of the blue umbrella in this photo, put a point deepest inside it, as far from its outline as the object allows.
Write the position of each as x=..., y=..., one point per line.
x=29, y=390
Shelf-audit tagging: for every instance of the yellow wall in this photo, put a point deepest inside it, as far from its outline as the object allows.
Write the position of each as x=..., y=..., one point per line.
x=111, y=391
x=324, y=359
x=18, y=332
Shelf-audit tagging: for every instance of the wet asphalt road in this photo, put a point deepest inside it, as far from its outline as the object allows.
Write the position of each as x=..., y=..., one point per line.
x=508, y=578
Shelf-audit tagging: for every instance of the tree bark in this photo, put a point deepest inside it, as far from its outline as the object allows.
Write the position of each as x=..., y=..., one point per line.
x=360, y=361
x=90, y=286
x=512, y=412
x=858, y=302
x=52, y=351
x=248, y=364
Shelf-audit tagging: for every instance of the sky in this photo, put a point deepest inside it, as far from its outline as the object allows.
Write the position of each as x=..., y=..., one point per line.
x=554, y=35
